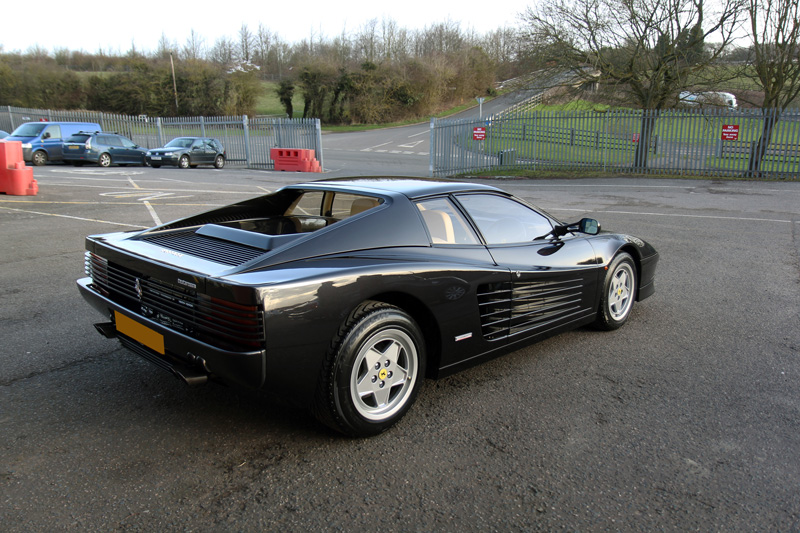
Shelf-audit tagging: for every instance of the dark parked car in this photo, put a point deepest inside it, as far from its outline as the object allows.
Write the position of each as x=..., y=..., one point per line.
x=185, y=152
x=343, y=295
x=103, y=148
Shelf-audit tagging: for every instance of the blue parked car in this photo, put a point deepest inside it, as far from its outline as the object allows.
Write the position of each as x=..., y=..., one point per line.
x=103, y=148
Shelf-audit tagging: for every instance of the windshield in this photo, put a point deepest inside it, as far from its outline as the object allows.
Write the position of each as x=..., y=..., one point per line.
x=180, y=142
x=29, y=130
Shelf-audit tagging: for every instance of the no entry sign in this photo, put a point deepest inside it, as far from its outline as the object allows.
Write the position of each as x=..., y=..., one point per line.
x=730, y=132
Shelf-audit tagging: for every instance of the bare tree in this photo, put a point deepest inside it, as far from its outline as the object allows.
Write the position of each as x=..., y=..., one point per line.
x=246, y=44
x=646, y=49
x=194, y=48
x=165, y=47
x=775, y=32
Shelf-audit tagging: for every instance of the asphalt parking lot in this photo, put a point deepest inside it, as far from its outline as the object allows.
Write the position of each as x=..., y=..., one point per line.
x=688, y=418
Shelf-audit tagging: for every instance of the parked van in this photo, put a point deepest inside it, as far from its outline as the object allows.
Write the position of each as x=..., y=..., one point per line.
x=41, y=141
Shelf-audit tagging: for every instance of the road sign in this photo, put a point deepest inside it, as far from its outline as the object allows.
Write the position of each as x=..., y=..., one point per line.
x=479, y=133
x=635, y=138
x=730, y=132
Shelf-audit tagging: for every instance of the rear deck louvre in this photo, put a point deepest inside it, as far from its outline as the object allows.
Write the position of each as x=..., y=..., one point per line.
x=208, y=248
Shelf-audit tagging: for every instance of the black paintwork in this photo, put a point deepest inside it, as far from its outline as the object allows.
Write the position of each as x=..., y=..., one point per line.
x=302, y=286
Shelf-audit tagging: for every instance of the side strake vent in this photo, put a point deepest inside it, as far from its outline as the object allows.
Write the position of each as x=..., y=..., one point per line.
x=509, y=309
x=205, y=247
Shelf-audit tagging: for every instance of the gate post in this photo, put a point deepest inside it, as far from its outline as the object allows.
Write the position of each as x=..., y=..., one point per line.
x=246, y=127
x=160, y=132
x=318, y=141
x=432, y=138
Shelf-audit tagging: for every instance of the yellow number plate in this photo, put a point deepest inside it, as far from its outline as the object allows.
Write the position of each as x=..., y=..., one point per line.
x=139, y=332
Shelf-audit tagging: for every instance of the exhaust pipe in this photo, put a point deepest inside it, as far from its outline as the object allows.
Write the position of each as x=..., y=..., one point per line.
x=107, y=329
x=190, y=377
x=185, y=374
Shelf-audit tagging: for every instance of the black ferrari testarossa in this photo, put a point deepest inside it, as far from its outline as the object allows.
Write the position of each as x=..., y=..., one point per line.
x=343, y=295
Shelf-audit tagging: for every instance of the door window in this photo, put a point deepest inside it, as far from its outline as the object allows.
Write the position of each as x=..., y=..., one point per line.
x=502, y=220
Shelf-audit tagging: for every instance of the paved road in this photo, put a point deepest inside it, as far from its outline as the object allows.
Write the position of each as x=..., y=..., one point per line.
x=686, y=419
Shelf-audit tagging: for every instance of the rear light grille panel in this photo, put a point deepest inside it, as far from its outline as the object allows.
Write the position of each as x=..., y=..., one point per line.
x=223, y=324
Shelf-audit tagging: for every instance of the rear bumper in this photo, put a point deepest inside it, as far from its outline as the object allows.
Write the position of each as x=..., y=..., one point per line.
x=180, y=354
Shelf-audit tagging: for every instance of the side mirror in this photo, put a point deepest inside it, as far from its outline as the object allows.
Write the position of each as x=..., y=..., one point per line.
x=589, y=226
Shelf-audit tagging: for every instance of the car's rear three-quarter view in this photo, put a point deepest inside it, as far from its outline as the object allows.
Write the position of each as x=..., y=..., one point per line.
x=342, y=296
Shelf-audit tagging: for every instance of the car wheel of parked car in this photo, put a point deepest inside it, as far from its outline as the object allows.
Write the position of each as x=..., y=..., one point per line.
x=104, y=160
x=373, y=372
x=39, y=158
x=219, y=162
x=183, y=162
x=619, y=292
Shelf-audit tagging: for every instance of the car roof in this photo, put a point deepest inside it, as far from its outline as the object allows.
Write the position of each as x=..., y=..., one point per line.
x=411, y=187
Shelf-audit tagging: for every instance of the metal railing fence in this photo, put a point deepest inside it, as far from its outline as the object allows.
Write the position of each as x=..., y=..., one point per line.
x=701, y=142
x=247, y=141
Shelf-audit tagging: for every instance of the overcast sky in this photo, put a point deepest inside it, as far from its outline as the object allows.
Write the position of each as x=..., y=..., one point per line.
x=115, y=25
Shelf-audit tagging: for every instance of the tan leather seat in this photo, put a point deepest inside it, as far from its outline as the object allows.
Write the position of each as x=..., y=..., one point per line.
x=360, y=205
x=440, y=226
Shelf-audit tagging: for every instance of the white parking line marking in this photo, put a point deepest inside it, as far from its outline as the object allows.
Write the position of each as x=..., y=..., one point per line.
x=152, y=213
x=376, y=146
x=411, y=144
x=73, y=218
x=715, y=217
x=144, y=195
x=97, y=172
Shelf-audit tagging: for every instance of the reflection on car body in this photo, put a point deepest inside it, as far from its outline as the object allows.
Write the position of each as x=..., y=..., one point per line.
x=343, y=295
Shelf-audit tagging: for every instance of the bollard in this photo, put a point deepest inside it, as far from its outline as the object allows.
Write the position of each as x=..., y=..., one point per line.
x=16, y=178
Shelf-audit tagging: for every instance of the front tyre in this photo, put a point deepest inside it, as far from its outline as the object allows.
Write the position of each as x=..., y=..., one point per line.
x=39, y=158
x=619, y=292
x=184, y=162
x=373, y=372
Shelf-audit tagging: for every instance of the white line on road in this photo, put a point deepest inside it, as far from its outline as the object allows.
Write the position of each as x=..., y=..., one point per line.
x=152, y=213
x=74, y=218
x=715, y=217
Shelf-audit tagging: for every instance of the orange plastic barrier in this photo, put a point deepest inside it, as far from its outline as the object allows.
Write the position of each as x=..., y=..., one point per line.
x=15, y=177
x=294, y=159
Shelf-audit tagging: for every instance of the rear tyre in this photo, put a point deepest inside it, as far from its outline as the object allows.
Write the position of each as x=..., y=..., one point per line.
x=219, y=162
x=39, y=158
x=183, y=162
x=619, y=292
x=104, y=160
x=373, y=371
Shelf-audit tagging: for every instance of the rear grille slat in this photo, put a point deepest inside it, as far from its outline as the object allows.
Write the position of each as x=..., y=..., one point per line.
x=223, y=324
